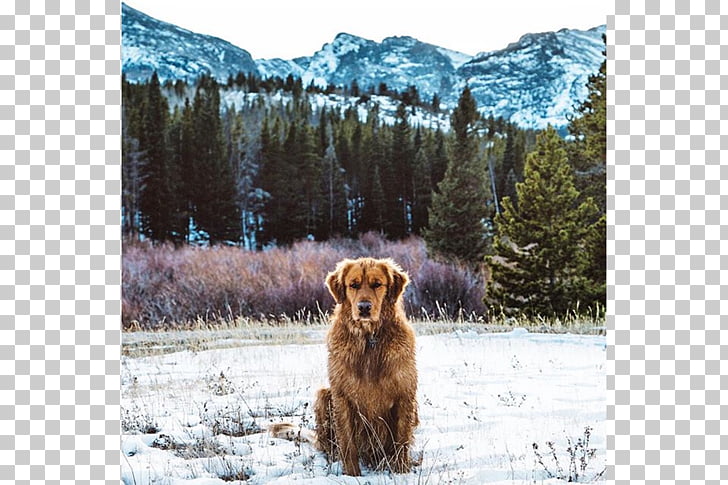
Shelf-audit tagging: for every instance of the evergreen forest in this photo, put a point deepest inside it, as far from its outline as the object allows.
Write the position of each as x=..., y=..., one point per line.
x=525, y=208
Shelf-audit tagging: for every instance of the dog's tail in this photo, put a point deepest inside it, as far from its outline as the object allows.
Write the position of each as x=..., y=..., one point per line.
x=291, y=432
x=322, y=438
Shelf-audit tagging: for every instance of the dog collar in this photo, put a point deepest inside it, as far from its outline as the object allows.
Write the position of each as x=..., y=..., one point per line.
x=371, y=341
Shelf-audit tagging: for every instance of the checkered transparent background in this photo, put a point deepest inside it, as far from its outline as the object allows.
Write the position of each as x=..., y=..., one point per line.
x=60, y=256
x=666, y=69
x=60, y=240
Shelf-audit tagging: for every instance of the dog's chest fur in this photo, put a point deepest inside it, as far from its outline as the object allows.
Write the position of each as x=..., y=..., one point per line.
x=365, y=376
x=358, y=361
x=363, y=356
x=369, y=365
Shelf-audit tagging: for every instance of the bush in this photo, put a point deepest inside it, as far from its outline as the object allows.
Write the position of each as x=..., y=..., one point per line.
x=579, y=455
x=446, y=290
x=164, y=286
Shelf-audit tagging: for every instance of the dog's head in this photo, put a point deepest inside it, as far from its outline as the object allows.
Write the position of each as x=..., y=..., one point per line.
x=366, y=286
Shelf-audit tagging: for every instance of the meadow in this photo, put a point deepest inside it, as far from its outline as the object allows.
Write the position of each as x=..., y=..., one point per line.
x=506, y=407
x=220, y=342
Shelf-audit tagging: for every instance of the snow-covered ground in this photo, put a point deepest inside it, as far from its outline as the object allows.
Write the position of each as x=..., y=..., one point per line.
x=485, y=399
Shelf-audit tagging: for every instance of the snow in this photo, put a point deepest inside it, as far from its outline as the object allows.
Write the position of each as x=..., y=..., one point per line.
x=484, y=400
x=326, y=60
x=387, y=106
x=456, y=58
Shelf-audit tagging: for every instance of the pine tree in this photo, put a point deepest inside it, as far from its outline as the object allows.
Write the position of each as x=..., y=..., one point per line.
x=284, y=214
x=355, y=168
x=588, y=151
x=435, y=103
x=217, y=211
x=188, y=167
x=335, y=221
x=512, y=158
x=422, y=191
x=374, y=210
x=272, y=169
x=177, y=203
x=588, y=155
x=159, y=199
x=242, y=154
x=539, y=263
x=458, y=216
x=132, y=181
x=439, y=161
x=595, y=246
x=308, y=170
x=397, y=176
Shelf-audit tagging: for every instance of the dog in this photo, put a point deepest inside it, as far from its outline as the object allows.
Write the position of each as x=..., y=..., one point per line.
x=369, y=412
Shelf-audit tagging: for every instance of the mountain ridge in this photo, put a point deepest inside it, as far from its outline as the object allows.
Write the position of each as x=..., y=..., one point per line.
x=174, y=52
x=534, y=81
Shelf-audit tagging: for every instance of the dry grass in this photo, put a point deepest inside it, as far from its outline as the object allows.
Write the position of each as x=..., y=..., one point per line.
x=241, y=332
x=165, y=287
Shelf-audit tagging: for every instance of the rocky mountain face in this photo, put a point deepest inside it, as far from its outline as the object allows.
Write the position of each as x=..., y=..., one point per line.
x=397, y=62
x=538, y=79
x=149, y=45
x=534, y=81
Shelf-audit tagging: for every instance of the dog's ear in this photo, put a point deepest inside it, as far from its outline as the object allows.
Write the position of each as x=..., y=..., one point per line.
x=335, y=281
x=399, y=280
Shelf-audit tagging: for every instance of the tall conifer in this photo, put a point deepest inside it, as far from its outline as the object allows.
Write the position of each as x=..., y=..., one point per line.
x=458, y=216
x=539, y=264
x=158, y=200
x=588, y=154
x=335, y=220
x=422, y=190
x=397, y=176
x=588, y=151
x=216, y=207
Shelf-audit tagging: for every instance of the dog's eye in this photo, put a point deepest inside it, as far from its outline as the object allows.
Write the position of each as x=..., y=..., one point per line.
x=355, y=285
x=376, y=285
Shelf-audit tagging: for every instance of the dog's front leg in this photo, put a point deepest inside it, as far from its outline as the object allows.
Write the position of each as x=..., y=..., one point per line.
x=406, y=420
x=345, y=429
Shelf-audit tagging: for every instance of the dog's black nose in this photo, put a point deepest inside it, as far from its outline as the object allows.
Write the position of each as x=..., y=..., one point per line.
x=364, y=307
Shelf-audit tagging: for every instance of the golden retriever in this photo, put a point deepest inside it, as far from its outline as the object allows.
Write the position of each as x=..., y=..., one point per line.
x=369, y=412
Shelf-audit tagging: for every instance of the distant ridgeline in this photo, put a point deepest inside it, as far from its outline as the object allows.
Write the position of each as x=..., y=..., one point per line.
x=533, y=82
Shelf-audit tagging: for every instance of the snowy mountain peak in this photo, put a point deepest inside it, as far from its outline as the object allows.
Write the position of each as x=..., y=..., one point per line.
x=317, y=67
x=149, y=45
x=398, y=62
x=345, y=38
x=534, y=81
x=537, y=80
x=401, y=40
x=344, y=43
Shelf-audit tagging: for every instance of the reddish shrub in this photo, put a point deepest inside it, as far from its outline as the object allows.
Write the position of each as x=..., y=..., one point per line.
x=448, y=290
x=163, y=285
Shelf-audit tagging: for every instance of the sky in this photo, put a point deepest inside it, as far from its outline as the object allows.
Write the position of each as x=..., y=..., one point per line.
x=293, y=28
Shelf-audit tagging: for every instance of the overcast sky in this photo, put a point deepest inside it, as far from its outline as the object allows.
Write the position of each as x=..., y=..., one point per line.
x=292, y=28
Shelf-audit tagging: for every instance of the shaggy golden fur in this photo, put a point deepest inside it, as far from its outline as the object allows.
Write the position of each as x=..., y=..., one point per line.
x=370, y=411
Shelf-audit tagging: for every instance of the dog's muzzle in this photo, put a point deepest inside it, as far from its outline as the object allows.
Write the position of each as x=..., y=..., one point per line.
x=365, y=309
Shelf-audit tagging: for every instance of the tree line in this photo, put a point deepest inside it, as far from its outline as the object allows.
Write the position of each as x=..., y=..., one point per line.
x=274, y=171
x=526, y=208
